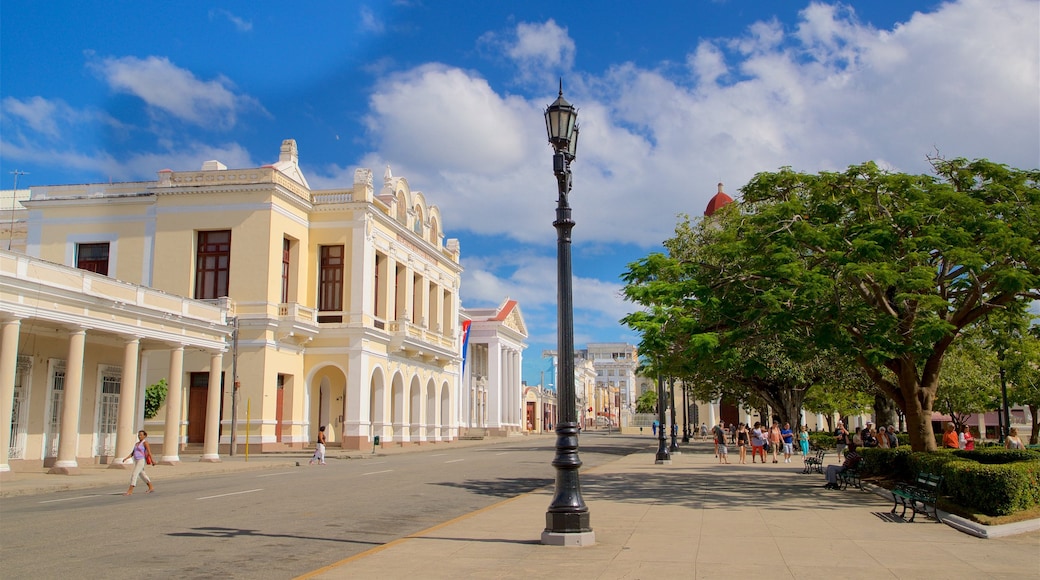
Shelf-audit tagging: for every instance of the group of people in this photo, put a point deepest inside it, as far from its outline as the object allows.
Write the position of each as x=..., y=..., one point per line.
x=868, y=436
x=774, y=439
x=962, y=438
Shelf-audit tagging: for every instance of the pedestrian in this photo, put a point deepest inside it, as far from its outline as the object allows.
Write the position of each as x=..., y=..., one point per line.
x=841, y=439
x=966, y=439
x=774, y=440
x=319, y=449
x=788, y=436
x=949, y=439
x=723, y=451
x=141, y=454
x=719, y=436
x=704, y=431
x=893, y=439
x=1012, y=441
x=742, y=441
x=758, y=442
x=803, y=441
x=654, y=426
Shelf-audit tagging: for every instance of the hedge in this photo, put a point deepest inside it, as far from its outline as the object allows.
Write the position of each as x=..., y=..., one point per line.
x=994, y=481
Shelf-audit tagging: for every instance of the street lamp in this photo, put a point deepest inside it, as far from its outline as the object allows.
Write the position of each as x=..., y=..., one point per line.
x=567, y=520
x=662, y=457
x=674, y=428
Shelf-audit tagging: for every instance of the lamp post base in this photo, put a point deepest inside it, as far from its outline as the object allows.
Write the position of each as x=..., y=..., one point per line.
x=662, y=462
x=568, y=529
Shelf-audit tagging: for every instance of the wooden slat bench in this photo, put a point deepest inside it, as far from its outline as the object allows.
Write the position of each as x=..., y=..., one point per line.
x=918, y=496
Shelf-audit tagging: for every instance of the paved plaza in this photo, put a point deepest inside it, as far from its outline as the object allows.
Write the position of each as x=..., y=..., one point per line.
x=693, y=518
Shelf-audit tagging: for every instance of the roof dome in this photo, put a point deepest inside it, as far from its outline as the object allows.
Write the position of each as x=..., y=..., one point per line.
x=720, y=199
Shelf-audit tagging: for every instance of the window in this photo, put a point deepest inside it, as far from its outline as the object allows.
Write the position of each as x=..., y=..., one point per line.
x=286, y=253
x=212, y=264
x=93, y=257
x=330, y=283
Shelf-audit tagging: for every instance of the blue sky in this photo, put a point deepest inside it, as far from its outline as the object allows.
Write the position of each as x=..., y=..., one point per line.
x=673, y=98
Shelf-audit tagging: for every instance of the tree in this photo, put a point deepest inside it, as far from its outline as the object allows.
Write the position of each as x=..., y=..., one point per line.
x=970, y=379
x=647, y=402
x=1022, y=366
x=887, y=268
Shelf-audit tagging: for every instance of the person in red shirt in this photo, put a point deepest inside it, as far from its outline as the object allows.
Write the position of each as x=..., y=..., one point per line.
x=967, y=438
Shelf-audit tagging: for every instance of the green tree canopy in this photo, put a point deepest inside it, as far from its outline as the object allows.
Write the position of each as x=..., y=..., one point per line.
x=887, y=269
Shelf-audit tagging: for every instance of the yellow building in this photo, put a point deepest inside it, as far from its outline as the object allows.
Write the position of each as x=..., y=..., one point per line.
x=345, y=302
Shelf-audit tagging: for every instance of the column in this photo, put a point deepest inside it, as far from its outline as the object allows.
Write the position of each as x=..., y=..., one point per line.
x=125, y=436
x=712, y=421
x=8, y=368
x=172, y=434
x=66, y=461
x=210, y=447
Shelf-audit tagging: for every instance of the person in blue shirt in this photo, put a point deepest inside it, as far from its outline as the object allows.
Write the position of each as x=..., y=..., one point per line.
x=788, y=436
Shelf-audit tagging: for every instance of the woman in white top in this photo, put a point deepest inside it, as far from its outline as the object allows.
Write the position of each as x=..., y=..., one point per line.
x=1012, y=441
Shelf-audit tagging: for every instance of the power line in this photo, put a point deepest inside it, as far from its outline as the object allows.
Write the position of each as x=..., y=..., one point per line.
x=14, y=204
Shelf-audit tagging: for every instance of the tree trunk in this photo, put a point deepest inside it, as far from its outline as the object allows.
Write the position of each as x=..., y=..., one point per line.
x=886, y=412
x=918, y=415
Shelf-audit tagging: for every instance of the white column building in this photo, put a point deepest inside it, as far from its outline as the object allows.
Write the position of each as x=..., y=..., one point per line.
x=491, y=400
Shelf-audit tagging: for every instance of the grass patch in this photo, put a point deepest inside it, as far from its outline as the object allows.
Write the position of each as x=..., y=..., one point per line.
x=987, y=520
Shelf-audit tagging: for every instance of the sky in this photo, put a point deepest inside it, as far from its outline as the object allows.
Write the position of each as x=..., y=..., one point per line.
x=673, y=98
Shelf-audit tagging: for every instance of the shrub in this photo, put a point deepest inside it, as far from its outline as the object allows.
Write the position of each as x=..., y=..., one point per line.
x=154, y=397
x=998, y=455
x=821, y=440
x=993, y=489
x=893, y=462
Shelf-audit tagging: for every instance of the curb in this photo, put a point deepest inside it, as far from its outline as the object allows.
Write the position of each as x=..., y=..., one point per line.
x=967, y=526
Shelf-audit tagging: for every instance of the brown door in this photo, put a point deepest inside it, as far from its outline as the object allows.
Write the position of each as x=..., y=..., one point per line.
x=197, y=398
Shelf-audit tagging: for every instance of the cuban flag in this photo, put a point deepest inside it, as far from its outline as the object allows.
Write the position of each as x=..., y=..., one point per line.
x=465, y=343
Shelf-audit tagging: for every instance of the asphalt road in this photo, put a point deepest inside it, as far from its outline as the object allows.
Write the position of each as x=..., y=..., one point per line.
x=277, y=523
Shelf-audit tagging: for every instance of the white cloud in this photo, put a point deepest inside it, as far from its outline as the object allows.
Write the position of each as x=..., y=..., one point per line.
x=241, y=24
x=833, y=92
x=369, y=22
x=167, y=87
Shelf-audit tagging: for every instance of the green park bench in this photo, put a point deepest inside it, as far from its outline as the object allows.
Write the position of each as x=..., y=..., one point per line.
x=918, y=496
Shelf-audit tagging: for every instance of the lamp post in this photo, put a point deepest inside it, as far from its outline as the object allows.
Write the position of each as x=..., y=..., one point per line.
x=674, y=428
x=567, y=520
x=662, y=456
x=685, y=415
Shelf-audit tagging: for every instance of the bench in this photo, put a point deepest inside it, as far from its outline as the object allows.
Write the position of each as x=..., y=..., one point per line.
x=814, y=464
x=918, y=496
x=847, y=477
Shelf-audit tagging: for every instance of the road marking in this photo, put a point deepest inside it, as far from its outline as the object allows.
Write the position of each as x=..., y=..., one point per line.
x=454, y=461
x=375, y=472
x=503, y=453
x=227, y=494
x=439, y=455
x=67, y=499
x=274, y=474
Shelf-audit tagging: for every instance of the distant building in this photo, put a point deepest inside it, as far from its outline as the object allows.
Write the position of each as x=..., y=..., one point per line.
x=491, y=400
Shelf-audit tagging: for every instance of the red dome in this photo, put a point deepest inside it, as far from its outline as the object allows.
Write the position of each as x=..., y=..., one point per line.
x=720, y=199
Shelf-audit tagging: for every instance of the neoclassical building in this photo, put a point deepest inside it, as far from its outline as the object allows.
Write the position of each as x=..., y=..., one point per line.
x=492, y=397
x=342, y=306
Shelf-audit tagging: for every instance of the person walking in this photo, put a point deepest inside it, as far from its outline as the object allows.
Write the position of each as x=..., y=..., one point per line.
x=141, y=454
x=788, y=436
x=742, y=441
x=758, y=442
x=774, y=440
x=841, y=439
x=319, y=449
x=803, y=441
x=719, y=435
